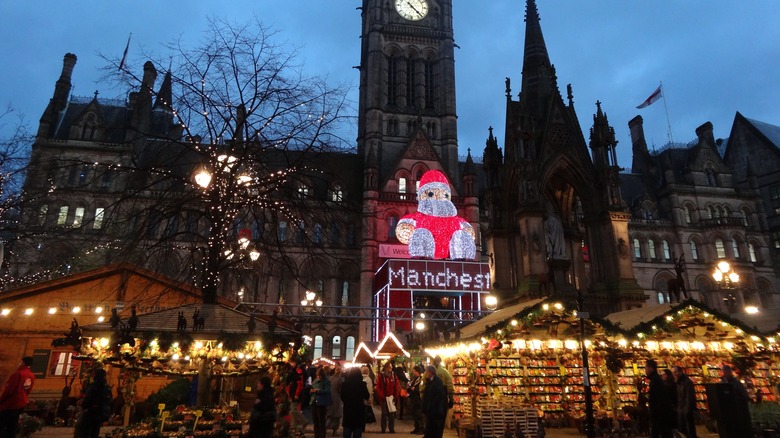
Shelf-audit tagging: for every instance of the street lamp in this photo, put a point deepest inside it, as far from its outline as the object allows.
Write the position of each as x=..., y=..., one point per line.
x=491, y=302
x=311, y=302
x=727, y=280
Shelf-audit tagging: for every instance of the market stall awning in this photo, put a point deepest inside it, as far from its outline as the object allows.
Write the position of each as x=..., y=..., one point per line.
x=478, y=327
x=365, y=352
x=629, y=319
x=389, y=347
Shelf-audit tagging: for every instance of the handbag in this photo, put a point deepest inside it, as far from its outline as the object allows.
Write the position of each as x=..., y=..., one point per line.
x=370, y=417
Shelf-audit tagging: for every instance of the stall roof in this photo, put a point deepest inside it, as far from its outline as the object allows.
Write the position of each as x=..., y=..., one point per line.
x=216, y=318
x=389, y=347
x=365, y=352
x=629, y=319
x=479, y=327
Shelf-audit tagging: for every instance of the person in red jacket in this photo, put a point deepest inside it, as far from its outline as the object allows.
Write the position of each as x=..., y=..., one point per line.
x=387, y=385
x=14, y=399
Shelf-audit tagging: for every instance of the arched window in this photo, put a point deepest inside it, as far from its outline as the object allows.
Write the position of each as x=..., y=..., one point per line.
x=99, y=214
x=637, y=249
x=345, y=293
x=392, y=80
x=667, y=252
x=349, y=353
x=720, y=249
x=694, y=250
x=337, y=195
x=662, y=298
x=392, y=222
x=735, y=248
x=317, y=237
x=78, y=216
x=651, y=249
x=42, y=214
x=282, y=231
x=336, y=350
x=62, y=216
x=335, y=234
x=745, y=217
x=752, y=252
x=300, y=233
x=687, y=215
x=317, y=353
x=411, y=83
x=401, y=185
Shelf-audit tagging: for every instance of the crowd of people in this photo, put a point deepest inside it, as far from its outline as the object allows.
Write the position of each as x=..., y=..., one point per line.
x=296, y=394
x=671, y=400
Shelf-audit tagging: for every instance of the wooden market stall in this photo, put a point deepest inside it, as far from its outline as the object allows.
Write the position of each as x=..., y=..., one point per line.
x=527, y=358
x=532, y=357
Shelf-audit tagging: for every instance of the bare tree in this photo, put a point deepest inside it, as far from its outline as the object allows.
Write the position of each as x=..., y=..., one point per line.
x=238, y=113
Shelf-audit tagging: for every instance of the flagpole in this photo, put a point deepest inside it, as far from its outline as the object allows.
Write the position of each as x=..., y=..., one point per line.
x=668, y=123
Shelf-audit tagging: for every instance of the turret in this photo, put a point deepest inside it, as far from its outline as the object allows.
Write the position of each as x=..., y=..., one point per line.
x=469, y=177
x=641, y=162
x=142, y=106
x=492, y=160
x=59, y=102
x=602, y=140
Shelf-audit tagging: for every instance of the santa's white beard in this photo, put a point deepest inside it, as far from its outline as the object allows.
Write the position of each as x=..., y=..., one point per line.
x=432, y=207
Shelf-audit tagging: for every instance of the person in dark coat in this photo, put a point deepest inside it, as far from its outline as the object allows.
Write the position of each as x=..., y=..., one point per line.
x=434, y=404
x=14, y=397
x=97, y=396
x=671, y=392
x=661, y=412
x=686, y=403
x=355, y=397
x=263, y=416
x=741, y=424
x=415, y=400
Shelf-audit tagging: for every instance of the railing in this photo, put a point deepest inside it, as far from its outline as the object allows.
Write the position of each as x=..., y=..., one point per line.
x=723, y=222
x=297, y=312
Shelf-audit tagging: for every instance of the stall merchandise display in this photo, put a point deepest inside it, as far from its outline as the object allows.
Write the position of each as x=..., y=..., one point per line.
x=218, y=422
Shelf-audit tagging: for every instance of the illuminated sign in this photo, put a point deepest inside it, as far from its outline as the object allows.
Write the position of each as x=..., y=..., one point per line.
x=393, y=251
x=434, y=275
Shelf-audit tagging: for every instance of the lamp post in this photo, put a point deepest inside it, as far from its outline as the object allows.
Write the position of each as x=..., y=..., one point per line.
x=727, y=280
x=311, y=305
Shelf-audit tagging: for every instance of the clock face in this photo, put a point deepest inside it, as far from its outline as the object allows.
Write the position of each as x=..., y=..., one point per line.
x=412, y=10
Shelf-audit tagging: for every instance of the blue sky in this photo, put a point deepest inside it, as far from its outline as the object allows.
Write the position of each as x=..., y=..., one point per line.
x=714, y=57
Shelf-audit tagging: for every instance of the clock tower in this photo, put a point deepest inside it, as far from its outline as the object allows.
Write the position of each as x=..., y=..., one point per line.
x=407, y=82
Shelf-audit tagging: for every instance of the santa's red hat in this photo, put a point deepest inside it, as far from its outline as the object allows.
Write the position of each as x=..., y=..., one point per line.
x=433, y=179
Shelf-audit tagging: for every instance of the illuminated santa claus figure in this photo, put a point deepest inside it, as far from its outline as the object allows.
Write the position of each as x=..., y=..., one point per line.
x=435, y=231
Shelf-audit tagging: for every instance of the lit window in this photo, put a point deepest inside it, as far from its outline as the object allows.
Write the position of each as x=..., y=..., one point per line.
x=338, y=194
x=720, y=249
x=735, y=248
x=303, y=191
x=752, y=251
x=350, y=350
x=651, y=249
x=78, y=216
x=694, y=251
x=61, y=363
x=687, y=213
x=317, y=347
x=637, y=249
x=401, y=185
x=99, y=213
x=62, y=217
x=345, y=293
x=667, y=254
x=336, y=353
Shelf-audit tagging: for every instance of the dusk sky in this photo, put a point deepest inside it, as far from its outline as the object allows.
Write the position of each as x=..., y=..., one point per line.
x=714, y=57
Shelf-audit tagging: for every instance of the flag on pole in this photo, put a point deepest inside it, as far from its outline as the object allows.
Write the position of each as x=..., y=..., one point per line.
x=657, y=94
x=124, y=55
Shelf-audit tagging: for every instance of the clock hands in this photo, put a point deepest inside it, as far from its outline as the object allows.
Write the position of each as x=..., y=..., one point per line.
x=415, y=9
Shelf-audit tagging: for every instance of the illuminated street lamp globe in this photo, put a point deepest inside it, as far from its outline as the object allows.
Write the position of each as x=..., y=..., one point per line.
x=491, y=302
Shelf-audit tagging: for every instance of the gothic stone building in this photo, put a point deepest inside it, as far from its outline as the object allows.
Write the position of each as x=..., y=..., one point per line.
x=620, y=232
